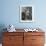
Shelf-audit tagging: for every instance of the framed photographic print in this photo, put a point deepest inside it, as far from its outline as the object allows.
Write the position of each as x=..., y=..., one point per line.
x=26, y=13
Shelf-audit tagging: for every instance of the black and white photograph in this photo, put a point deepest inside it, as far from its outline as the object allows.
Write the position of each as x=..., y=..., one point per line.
x=26, y=13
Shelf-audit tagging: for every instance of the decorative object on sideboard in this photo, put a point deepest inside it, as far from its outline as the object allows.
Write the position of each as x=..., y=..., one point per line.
x=11, y=28
x=32, y=30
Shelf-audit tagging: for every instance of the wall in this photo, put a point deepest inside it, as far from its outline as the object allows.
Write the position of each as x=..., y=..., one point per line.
x=10, y=13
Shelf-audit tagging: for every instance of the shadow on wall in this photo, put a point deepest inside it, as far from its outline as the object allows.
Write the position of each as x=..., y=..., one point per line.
x=2, y=26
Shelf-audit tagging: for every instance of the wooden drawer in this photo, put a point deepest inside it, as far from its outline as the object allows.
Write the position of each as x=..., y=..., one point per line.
x=13, y=33
x=37, y=39
x=12, y=44
x=37, y=44
x=33, y=39
x=27, y=41
x=34, y=33
x=12, y=39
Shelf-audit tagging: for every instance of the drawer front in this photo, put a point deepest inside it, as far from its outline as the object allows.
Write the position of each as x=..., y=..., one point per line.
x=34, y=33
x=37, y=45
x=12, y=39
x=27, y=41
x=12, y=44
x=33, y=39
x=13, y=33
x=37, y=39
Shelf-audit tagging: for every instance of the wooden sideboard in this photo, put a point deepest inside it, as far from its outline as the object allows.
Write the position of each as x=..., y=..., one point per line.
x=23, y=39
